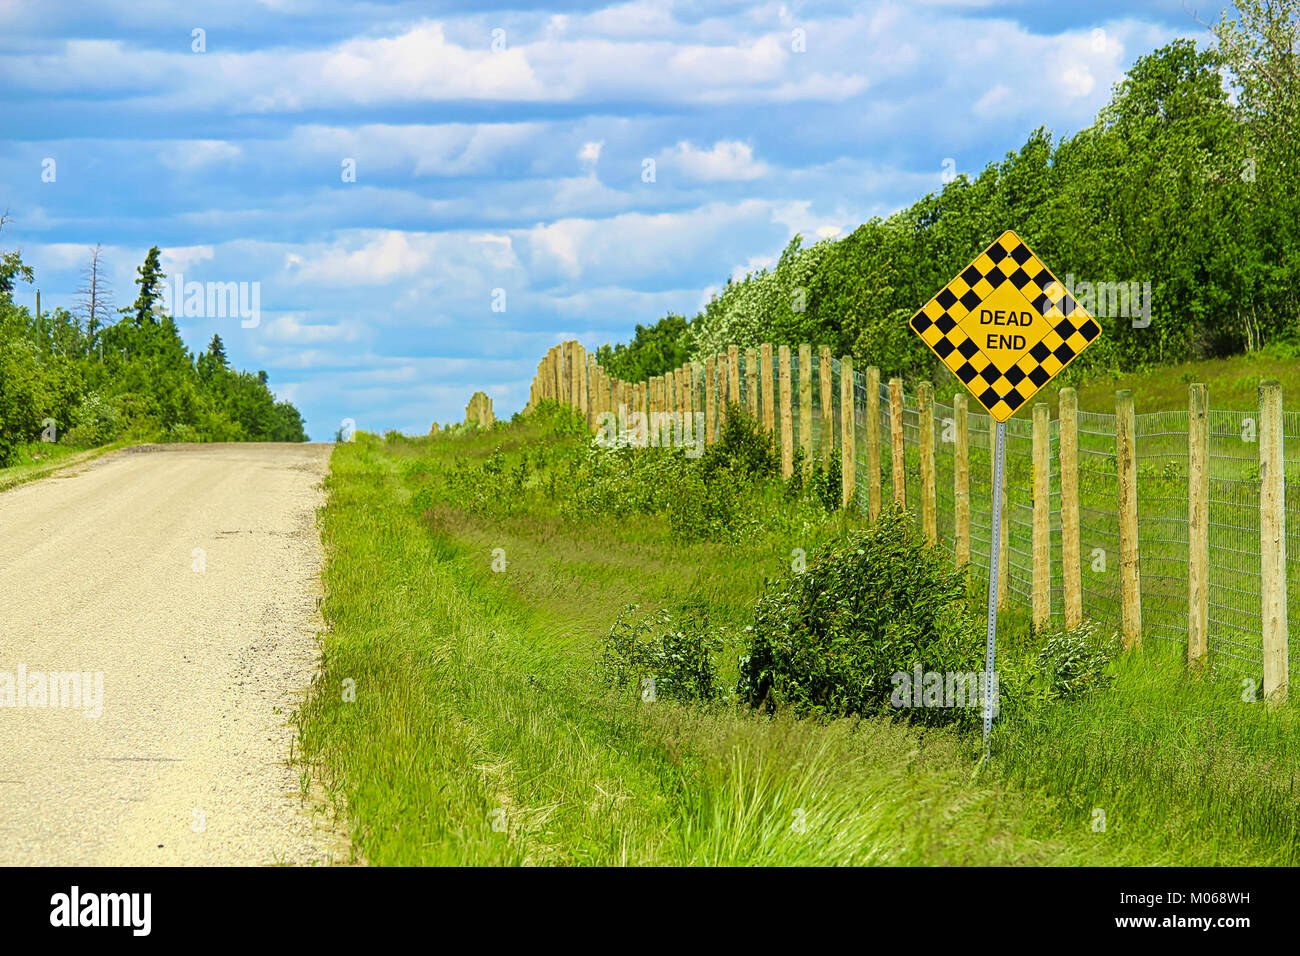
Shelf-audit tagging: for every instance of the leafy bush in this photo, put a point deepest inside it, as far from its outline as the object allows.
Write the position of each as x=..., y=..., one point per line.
x=662, y=656
x=94, y=422
x=825, y=483
x=1074, y=662
x=712, y=510
x=743, y=448
x=828, y=641
x=23, y=398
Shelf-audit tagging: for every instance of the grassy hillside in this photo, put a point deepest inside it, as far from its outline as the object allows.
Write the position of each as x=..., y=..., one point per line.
x=479, y=730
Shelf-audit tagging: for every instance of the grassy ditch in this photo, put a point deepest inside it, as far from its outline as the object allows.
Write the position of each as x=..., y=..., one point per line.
x=482, y=698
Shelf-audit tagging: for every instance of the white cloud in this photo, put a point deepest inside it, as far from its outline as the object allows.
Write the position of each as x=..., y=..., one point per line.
x=589, y=155
x=381, y=258
x=994, y=100
x=177, y=259
x=449, y=149
x=189, y=155
x=727, y=160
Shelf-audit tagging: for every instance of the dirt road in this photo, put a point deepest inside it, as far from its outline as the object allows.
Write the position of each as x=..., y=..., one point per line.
x=187, y=577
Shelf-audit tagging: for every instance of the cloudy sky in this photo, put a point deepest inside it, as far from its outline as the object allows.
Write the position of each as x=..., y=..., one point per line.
x=502, y=148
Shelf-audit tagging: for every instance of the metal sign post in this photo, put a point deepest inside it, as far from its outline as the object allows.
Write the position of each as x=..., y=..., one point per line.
x=999, y=456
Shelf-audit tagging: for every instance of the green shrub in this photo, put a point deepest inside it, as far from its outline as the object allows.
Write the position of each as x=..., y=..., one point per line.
x=1074, y=662
x=23, y=398
x=180, y=432
x=828, y=641
x=824, y=484
x=743, y=448
x=94, y=422
x=662, y=656
x=559, y=421
x=700, y=510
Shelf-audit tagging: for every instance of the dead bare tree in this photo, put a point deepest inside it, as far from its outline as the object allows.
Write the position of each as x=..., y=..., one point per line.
x=94, y=298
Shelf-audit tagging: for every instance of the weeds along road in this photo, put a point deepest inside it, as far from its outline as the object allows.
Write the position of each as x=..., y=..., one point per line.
x=188, y=577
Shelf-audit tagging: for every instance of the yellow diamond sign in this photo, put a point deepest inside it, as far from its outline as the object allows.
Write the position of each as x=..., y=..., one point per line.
x=1005, y=326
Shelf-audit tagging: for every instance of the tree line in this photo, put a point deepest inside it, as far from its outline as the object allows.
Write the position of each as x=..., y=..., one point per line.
x=93, y=375
x=1186, y=185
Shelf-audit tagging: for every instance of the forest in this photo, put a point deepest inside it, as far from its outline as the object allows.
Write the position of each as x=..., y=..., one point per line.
x=93, y=376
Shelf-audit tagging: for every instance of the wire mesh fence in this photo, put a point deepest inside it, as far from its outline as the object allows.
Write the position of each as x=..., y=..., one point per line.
x=1161, y=449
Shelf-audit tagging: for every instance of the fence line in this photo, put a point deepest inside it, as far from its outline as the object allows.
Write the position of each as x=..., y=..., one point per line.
x=1169, y=526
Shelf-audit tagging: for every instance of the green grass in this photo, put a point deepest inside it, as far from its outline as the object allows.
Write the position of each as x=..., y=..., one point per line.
x=479, y=734
x=38, y=459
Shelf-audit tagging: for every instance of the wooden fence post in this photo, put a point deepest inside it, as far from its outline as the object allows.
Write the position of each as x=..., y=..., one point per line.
x=1272, y=542
x=1042, y=548
x=562, y=373
x=1071, y=562
x=769, y=397
x=871, y=425
x=787, y=419
x=925, y=441
x=896, y=461
x=679, y=408
x=561, y=380
x=733, y=371
x=848, y=433
x=710, y=400
x=1130, y=577
x=1198, y=524
x=645, y=407
x=575, y=376
x=961, y=478
x=751, y=382
x=688, y=386
x=588, y=361
x=827, y=396
x=722, y=390
x=561, y=376
x=669, y=407
x=805, y=404
x=657, y=408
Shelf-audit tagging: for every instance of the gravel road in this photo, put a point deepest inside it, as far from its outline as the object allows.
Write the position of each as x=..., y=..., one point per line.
x=187, y=576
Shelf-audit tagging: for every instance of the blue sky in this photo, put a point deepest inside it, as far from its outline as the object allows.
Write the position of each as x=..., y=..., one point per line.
x=517, y=168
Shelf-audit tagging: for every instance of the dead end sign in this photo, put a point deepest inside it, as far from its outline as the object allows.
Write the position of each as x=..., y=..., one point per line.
x=1005, y=326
